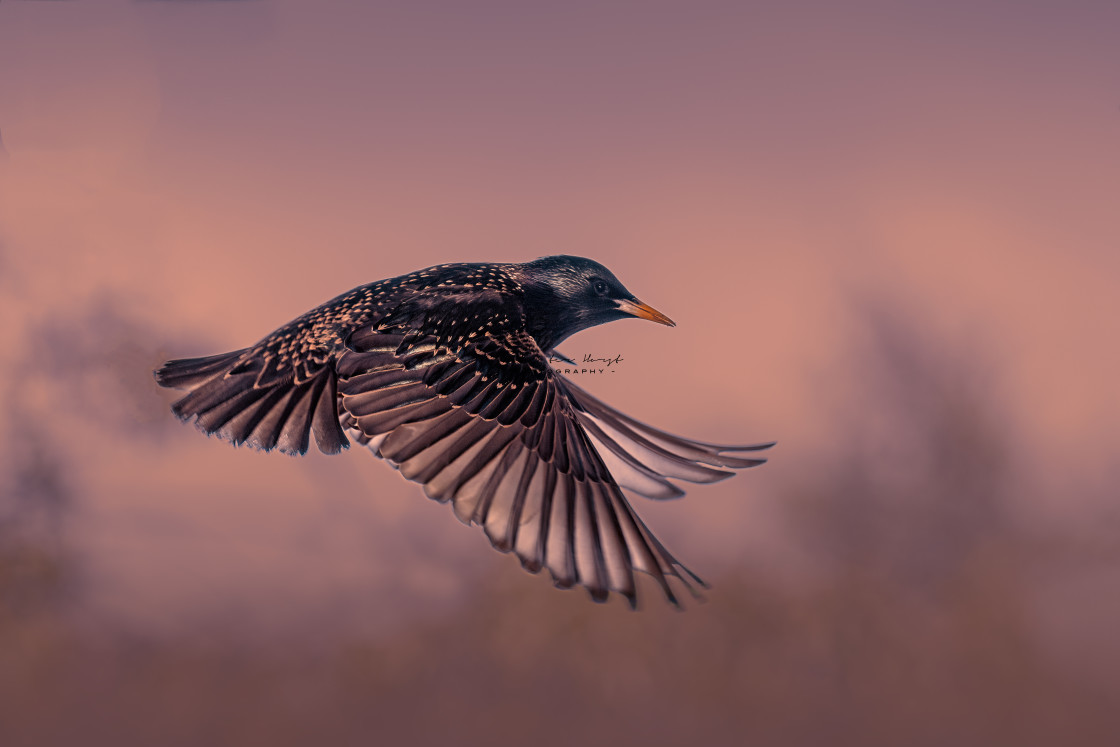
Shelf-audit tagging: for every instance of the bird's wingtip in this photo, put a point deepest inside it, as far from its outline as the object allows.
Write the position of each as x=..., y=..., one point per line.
x=749, y=447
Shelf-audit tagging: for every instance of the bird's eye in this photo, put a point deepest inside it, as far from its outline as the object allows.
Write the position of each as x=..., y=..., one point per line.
x=600, y=287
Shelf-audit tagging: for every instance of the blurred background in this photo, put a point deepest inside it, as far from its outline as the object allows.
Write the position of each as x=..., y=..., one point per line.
x=888, y=233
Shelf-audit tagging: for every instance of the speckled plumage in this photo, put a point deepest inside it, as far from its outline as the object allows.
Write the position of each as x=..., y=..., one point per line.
x=452, y=302
x=444, y=373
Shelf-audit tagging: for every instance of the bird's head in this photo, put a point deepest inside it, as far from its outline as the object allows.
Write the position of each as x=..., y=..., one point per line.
x=565, y=294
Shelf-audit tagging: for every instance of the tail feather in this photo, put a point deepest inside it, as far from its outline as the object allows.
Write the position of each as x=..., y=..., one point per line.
x=225, y=399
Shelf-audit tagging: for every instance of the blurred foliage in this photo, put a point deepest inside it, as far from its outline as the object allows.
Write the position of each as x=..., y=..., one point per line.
x=915, y=630
x=855, y=661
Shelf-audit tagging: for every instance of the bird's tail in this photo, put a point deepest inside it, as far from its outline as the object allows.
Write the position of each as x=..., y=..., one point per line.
x=229, y=397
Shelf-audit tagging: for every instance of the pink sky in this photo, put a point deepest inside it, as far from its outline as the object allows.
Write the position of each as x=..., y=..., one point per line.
x=207, y=171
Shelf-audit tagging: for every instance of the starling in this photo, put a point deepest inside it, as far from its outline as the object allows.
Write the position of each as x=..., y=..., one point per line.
x=445, y=374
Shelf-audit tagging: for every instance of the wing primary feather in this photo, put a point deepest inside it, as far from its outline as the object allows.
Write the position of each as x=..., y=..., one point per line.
x=498, y=404
x=628, y=471
x=589, y=553
x=665, y=560
x=664, y=463
x=381, y=422
x=559, y=548
x=518, y=405
x=645, y=554
x=616, y=553
x=513, y=523
x=216, y=417
x=382, y=377
x=377, y=400
x=211, y=394
x=562, y=450
x=546, y=434
x=681, y=447
x=188, y=372
x=494, y=446
x=534, y=556
x=324, y=422
x=536, y=407
x=296, y=432
x=475, y=389
x=240, y=428
x=441, y=483
x=470, y=435
x=406, y=442
x=267, y=431
x=467, y=390
x=512, y=451
x=448, y=384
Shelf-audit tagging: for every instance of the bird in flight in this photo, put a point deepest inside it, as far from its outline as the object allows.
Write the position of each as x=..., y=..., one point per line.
x=445, y=374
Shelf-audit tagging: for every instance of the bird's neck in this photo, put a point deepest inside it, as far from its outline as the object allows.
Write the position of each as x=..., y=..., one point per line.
x=548, y=319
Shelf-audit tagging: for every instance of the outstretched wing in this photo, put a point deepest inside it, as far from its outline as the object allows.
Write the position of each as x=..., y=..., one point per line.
x=641, y=457
x=466, y=405
x=229, y=396
x=496, y=433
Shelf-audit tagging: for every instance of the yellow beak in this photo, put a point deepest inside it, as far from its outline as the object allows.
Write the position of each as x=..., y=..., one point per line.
x=645, y=311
